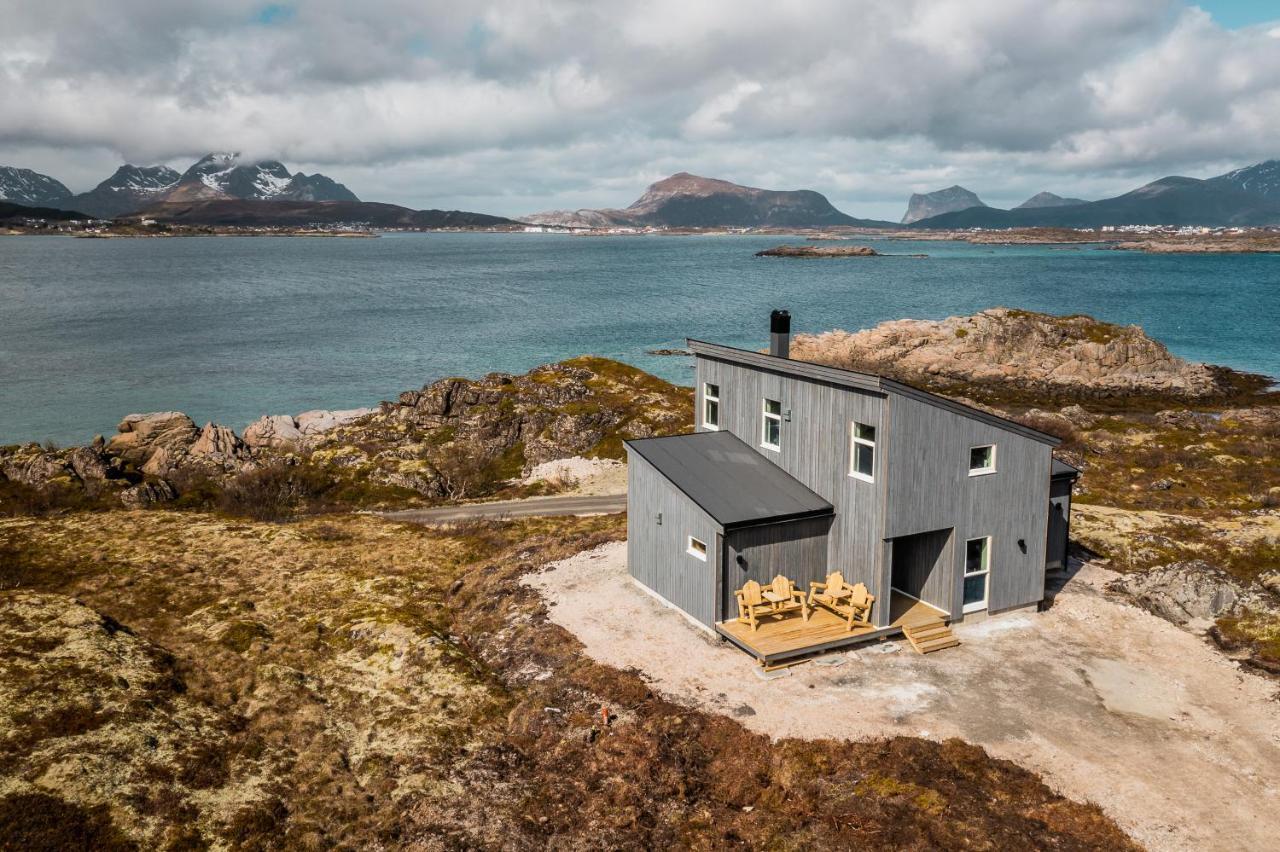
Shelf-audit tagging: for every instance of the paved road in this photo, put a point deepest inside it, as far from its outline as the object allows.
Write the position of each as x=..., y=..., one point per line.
x=534, y=506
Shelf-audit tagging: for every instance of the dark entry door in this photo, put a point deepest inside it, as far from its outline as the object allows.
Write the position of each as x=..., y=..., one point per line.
x=922, y=567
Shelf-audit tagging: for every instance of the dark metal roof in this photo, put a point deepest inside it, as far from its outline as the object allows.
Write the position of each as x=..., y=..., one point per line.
x=731, y=482
x=862, y=381
x=1062, y=470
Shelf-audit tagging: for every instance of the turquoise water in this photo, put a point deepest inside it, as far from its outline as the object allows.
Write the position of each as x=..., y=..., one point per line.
x=227, y=329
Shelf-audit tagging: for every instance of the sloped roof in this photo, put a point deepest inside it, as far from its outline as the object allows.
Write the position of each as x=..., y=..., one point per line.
x=728, y=480
x=863, y=381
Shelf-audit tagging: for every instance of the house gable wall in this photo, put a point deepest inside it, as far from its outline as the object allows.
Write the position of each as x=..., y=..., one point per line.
x=929, y=488
x=657, y=553
x=815, y=450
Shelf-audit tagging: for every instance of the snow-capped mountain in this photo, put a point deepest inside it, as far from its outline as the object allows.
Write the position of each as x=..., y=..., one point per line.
x=225, y=176
x=23, y=186
x=1259, y=179
x=130, y=188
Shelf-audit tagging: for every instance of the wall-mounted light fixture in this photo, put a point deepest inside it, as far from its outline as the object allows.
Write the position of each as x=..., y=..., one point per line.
x=659, y=518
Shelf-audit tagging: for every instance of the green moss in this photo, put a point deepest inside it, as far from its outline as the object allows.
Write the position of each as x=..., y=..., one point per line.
x=962, y=332
x=1260, y=632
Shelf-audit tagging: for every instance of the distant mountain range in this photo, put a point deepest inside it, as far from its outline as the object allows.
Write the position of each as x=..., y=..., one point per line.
x=1048, y=199
x=220, y=189
x=23, y=186
x=1247, y=197
x=249, y=213
x=689, y=201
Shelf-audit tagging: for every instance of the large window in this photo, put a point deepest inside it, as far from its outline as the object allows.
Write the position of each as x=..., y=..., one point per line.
x=862, y=452
x=771, y=432
x=977, y=571
x=697, y=548
x=711, y=406
x=982, y=460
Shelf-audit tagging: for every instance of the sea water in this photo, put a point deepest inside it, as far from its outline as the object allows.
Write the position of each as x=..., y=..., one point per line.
x=230, y=328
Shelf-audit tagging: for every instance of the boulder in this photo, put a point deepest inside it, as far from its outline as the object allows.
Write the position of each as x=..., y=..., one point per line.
x=315, y=422
x=1193, y=594
x=140, y=435
x=275, y=430
x=148, y=493
x=217, y=443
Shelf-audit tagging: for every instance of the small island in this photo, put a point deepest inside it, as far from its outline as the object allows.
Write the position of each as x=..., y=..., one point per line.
x=819, y=251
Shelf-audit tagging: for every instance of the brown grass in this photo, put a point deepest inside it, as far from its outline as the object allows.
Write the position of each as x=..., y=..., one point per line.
x=400, y=693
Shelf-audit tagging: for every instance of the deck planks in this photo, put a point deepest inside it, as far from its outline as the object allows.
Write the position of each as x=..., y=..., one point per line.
x=787, y=635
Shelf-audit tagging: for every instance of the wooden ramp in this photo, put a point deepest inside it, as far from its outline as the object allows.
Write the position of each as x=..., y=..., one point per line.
x=929, y=635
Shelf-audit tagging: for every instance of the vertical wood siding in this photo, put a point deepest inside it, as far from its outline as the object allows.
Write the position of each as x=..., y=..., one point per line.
x=815, y=450
x=797, y=550
x=929, y=488
x=657, y=554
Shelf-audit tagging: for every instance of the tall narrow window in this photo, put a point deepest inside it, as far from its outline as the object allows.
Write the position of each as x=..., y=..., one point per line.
x=977, y=570
x=711, y=406
x=771, y=433
x=982, y=460
x=862, y=453
x=697, y=548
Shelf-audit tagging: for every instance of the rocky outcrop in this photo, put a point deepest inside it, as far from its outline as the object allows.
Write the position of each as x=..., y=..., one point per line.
x=1050, y=356
x=283, y=431
x=819, y=251
x=1192, y=594
x=448, y=438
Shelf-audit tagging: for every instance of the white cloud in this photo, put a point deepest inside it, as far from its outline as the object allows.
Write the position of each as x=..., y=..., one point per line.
x=506, y=106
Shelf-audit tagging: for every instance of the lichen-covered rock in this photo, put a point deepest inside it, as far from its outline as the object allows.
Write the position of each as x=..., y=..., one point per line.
x=1073, y=355
x=1193, y=594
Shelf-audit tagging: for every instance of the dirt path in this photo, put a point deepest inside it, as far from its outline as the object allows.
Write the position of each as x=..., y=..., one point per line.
x=573, y=504
x=1108, y=703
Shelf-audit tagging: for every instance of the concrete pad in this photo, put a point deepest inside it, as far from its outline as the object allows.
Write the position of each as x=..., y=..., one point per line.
x=1106, y=702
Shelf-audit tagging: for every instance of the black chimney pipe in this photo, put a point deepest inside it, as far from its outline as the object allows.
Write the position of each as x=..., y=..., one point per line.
x=780, y=334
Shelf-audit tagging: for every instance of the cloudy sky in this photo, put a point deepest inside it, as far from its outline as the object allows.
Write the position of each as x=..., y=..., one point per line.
x=512, y=107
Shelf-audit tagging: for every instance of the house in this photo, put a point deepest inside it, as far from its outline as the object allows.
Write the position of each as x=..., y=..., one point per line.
x=942, y=510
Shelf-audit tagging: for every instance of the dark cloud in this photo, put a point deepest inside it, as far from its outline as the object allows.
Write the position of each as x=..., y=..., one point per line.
x=509, y=106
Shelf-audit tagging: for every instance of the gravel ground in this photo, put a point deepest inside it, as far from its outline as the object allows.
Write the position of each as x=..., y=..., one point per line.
x=1108, y=703
x=589, y=477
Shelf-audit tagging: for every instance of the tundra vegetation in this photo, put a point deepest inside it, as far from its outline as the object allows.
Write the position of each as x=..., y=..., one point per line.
x=178, y=679
x=205, y=645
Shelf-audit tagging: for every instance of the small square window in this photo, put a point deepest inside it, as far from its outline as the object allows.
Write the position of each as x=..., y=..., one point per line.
x=697, y=548
x=982, y=460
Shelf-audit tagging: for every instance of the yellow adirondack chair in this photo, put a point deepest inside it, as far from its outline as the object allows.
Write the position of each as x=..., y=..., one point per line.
x=785, y=597
x=852, y=603
x=751, y=604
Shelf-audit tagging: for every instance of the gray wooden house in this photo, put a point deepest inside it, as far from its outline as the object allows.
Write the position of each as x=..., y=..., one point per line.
x=800, y=469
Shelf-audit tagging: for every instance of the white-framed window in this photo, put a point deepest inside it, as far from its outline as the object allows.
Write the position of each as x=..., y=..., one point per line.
x=982, y=459
x=977, y=573
x=862, y=452
x=771, y=427
x=710, y=406
x=697, y=548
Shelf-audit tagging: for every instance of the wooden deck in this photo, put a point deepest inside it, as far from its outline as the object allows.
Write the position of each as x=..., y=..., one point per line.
x=789, y=636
